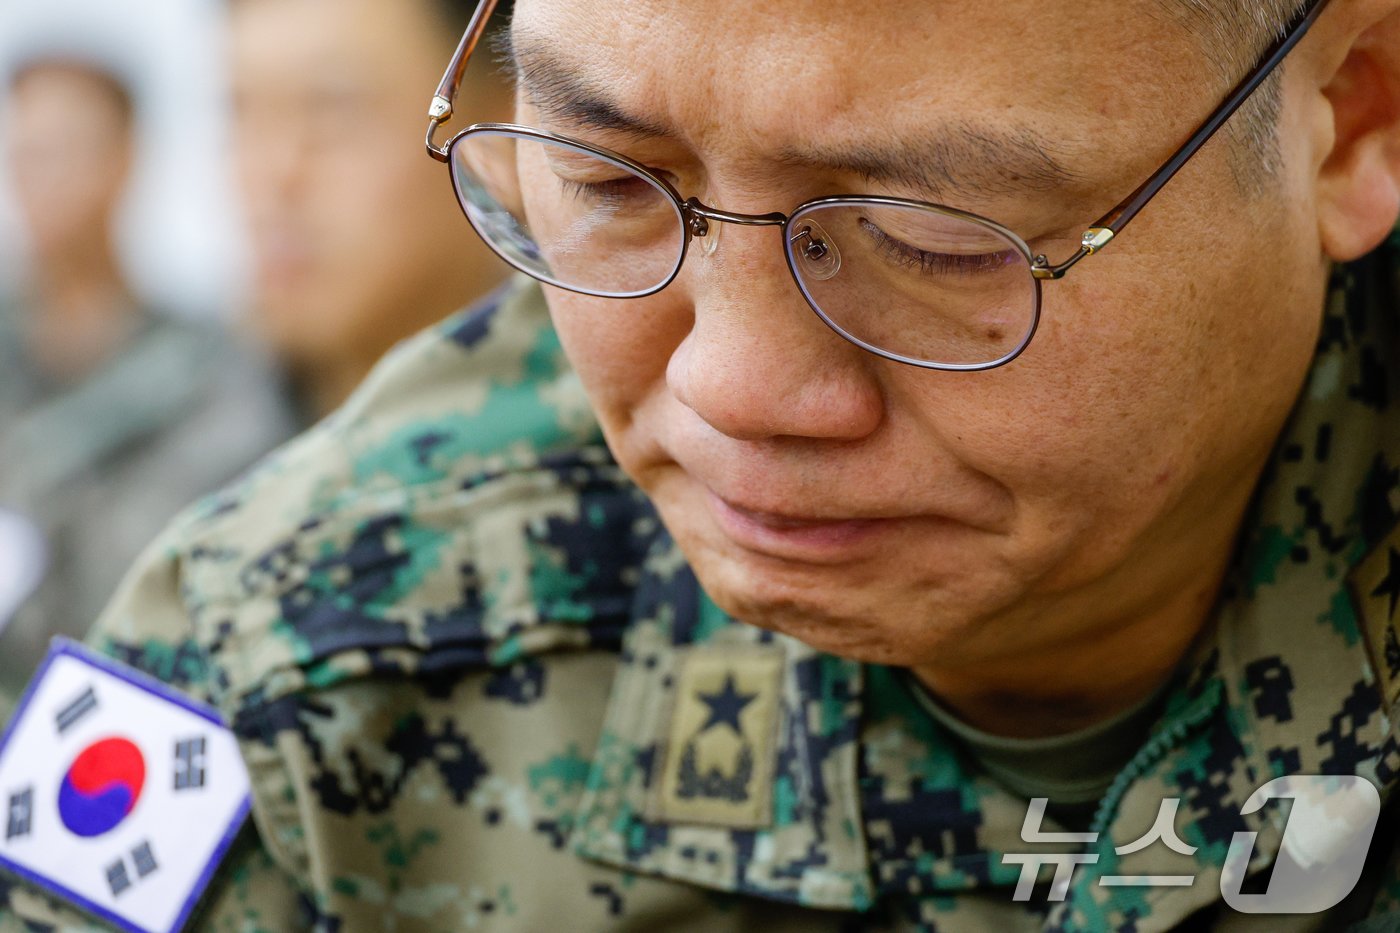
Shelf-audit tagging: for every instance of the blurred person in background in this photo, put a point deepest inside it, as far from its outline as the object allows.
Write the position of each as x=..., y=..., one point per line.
x=354, y=246
x=112, y=415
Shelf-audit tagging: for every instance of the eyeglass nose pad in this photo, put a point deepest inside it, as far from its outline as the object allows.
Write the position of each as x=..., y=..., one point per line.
x=706, y=232
x=710, y=241
x=815, y=250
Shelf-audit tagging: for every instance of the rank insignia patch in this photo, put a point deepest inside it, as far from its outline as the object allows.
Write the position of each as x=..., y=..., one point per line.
x=119, y=795
x=1375, y=585
x=723, y=737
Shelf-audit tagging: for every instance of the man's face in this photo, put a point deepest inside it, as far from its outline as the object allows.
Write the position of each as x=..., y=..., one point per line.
x=356, y=241
x=928, y=518
x=69, y=142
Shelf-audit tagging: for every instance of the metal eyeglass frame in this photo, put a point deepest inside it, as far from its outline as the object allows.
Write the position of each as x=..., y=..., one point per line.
x=696, y=216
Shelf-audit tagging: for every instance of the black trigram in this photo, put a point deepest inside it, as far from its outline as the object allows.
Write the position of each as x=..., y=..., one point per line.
x=119, y=877
x=144, y=859
x=189, y=763
x=21, y=817
x=70, y=714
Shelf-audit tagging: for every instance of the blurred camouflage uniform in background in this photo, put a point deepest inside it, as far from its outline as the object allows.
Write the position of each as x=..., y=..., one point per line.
x=95, y=469
x=478, y=688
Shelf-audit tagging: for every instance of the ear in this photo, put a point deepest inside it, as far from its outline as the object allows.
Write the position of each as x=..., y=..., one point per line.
x=1359, y=182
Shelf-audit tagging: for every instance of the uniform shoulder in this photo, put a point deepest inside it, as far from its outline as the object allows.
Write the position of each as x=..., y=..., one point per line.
x=459, y=510
x=486, y=392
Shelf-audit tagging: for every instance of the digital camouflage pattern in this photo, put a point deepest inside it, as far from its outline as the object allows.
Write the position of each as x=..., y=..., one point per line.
x=478, y=688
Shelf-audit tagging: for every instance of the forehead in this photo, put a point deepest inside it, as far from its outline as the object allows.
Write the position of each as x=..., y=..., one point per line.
x=769, y=71
x=290, y=40
x=72, y=84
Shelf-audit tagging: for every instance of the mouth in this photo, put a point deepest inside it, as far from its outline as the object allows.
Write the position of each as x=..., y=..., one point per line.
x=282, y=254
x=802, y=538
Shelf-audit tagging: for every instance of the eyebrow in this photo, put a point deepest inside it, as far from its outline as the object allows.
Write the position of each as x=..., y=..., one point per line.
x=561, y=94
x=958, y=157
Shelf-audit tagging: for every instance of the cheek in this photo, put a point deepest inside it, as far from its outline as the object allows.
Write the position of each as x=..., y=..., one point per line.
x=60, y=200
x=620, y=349
x=1098, y=398
x=1141, y=398
x=367, y=207
x=367, y=188
x=365, y=226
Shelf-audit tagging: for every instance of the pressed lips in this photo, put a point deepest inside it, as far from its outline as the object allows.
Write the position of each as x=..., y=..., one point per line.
x=792, y=537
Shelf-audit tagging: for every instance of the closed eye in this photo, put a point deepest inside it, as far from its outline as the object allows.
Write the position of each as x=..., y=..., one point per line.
x=931, y=262
x=612, y=189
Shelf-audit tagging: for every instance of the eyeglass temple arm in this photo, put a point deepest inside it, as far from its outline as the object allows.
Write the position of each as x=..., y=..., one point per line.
x=440, y=111
x=1111, y=224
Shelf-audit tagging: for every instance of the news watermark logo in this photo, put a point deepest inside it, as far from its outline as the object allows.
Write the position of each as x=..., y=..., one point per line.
x=1325, y=842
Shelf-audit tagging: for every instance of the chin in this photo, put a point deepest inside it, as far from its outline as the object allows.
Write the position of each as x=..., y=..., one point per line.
x=832, y=616
x=839, y=610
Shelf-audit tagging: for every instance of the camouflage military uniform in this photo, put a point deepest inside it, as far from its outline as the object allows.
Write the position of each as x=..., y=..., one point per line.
x=478, y=688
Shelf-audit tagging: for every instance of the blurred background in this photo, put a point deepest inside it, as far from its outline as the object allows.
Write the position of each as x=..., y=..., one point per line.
x=215, y=217
x=178, y=237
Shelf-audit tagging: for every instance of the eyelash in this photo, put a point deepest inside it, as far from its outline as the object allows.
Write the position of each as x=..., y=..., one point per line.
x=932, y=263
x=612, y=189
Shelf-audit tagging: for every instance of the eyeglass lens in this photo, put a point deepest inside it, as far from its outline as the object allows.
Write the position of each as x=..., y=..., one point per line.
x=912, y=281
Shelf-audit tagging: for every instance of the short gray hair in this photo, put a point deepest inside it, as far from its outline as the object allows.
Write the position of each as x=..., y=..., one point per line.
x=1234, y=34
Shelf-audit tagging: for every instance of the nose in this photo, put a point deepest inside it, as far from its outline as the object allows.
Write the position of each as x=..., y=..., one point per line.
x=758, y=363
x=287, y=165
x=275, y=159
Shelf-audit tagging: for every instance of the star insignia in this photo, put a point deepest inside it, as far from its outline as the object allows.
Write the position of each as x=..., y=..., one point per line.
x=726, y=706
x=1390, y=586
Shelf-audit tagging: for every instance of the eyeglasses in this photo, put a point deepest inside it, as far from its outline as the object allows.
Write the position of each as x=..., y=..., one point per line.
x=918, y=283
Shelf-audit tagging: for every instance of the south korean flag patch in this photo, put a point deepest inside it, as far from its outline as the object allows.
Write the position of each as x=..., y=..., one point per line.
x=117, y=793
